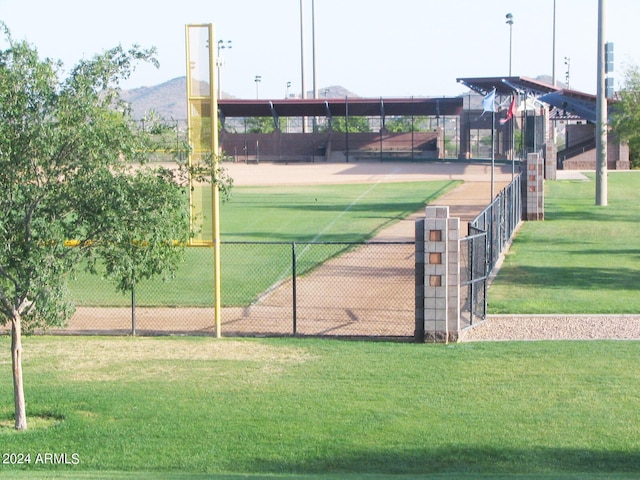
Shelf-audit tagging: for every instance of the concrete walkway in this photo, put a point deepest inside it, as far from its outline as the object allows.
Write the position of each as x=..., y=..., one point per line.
x=466, y=201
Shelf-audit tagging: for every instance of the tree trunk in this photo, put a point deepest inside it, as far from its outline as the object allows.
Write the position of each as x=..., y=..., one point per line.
x=16, y=360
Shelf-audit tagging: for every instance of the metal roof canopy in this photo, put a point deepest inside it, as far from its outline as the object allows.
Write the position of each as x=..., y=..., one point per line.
x=508, y=85
x=340, y=107
x=574, y=102
x=582, y=105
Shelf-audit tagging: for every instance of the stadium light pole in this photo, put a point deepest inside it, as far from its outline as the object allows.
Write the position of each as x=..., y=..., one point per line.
x=287, y=98
x=601, y=113
x=258, y=79
x=553, y=48
x=221, y=46
x=509, y=21
x=302, y=84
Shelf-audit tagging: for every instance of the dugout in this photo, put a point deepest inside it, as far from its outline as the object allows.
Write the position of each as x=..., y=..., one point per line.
x=302, y=129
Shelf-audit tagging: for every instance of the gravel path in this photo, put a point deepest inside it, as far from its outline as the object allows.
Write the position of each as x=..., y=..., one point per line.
x=555, y=327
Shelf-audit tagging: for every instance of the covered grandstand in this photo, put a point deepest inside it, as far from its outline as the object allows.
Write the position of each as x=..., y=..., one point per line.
x=433, y=128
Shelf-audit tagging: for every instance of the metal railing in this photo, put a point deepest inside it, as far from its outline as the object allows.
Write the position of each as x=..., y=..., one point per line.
x=489, y=234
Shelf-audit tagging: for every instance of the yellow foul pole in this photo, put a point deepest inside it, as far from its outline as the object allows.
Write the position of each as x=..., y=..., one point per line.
x=202, y=118
x=215, y=190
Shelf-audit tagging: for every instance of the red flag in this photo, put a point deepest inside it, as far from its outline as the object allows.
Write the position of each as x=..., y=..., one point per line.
x=511, y=112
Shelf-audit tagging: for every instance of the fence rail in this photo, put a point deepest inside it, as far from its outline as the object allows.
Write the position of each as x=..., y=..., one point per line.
x=489, y=234
x=298, y=288
x=268, y=289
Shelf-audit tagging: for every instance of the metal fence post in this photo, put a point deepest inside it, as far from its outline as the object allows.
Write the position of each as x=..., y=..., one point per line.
x=294, y=286
x=419, y=281
x=472, y=276
x=133, y=304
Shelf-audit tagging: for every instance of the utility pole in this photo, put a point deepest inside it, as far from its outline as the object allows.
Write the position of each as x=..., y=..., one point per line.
x=553, y=53
x=304, y=119
x=601, y=113
x=509, y=22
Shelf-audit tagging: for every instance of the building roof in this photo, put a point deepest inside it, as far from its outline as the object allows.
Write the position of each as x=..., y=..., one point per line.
x=574, y=102
x=340, y=107
x=569, y=104
x=508, y=85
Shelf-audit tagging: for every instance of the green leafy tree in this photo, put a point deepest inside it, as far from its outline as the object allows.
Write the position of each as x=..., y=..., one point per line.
x=67, y=150
x=356, y=124
x=260, y=125
x=398, y=124
x=404, y=124
x=625, y=118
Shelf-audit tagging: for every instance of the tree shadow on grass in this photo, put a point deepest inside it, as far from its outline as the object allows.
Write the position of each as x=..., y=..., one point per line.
x=574, y=277
x=461, y=460
x=588, y=215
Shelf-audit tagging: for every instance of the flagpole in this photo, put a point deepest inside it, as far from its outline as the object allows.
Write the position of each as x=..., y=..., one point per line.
x=512, y=129
x=489, y=105
x=513, y=150
x=493, y=155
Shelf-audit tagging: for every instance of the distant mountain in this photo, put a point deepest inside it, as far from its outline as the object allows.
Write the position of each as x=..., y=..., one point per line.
x=335, y=91
x=169, y=99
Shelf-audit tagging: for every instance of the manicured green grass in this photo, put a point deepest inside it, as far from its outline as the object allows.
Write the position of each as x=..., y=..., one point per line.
x=310, y=408
x=582, y=258
x=322, y=213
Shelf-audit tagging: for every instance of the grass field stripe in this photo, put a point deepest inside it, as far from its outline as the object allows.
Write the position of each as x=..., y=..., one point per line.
x=285, y=273
x=341, y=214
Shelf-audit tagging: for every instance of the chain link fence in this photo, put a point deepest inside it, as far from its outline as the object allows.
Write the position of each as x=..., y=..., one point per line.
x=268, y=289
x=294, y=288
x=489, y=234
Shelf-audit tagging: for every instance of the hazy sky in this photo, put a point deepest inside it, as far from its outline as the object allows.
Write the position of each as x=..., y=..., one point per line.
x=371, y=47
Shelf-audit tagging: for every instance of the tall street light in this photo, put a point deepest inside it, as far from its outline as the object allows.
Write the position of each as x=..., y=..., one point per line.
x=258, y=79
x=221, y=46
x=601, y=111
x=553, y=52
x=510, y=23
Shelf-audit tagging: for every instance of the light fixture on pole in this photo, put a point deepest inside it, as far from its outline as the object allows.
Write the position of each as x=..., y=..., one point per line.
x=509, y=21
x=221, y=46
x=258, y=79
x=553, y=53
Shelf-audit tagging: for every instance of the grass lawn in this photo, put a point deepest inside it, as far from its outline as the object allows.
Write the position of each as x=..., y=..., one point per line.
x=582, y=258
x=322, y=213
x=174, y=407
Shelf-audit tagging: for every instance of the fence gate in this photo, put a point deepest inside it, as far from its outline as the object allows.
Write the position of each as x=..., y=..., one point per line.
x=488, y=236
x=473, y=276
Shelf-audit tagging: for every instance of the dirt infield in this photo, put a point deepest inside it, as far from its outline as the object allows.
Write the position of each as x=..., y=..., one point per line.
x=383, y=302
x=362, y=172
x=465, y=201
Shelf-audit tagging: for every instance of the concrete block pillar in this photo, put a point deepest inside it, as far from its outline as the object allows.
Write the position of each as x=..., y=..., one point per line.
x=438, y=277
x=534, y=187
x=550, y=161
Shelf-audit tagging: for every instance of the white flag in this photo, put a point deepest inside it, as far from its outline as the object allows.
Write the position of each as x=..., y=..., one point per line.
x=489, y=102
